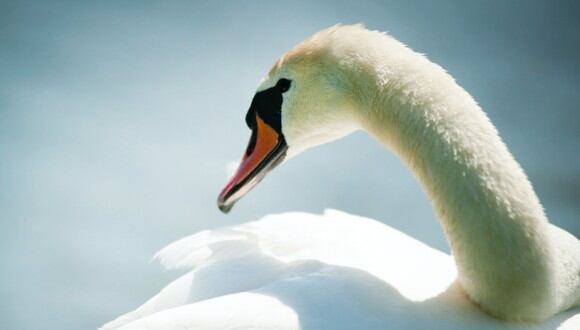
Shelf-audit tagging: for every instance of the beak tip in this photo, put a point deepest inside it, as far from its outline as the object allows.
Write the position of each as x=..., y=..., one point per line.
x=225, y=207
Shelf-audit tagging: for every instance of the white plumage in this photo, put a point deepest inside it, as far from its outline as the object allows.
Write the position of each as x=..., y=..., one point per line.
x=338, y=271
x=307, y=271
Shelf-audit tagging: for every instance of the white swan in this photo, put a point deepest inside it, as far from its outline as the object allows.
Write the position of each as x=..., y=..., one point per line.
x=339, y=271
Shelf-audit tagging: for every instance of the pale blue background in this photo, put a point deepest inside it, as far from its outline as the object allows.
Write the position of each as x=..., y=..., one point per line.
x=117, y=119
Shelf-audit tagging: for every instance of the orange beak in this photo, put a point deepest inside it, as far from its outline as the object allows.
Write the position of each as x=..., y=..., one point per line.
x=266, y=149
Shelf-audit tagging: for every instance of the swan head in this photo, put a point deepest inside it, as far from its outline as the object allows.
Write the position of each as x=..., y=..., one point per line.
x=304, y=101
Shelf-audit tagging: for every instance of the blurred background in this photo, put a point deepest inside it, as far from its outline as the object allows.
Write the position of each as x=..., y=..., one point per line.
x=118, y=119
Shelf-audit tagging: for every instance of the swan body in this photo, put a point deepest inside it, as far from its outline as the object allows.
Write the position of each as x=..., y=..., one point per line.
x=508, y=260
x=308, y=271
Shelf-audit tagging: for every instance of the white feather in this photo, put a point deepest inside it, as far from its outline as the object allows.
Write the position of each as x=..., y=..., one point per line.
x=306, y=271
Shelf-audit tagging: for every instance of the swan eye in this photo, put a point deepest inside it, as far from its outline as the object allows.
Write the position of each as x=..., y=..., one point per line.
x=284, y=84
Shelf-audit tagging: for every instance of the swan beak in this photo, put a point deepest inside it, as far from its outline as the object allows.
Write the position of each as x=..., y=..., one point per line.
x=266, y=149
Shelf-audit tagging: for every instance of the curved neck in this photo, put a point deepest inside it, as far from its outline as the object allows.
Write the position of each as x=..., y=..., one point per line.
x=490, y=214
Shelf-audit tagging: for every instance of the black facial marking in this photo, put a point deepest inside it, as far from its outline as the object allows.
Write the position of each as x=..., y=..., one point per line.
x=268, y=105
x=251, y=118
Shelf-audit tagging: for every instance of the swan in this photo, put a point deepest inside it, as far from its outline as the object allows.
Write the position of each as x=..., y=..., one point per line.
x=510, y=268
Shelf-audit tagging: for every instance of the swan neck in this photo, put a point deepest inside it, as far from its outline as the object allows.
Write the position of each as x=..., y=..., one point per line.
x=491, y=216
